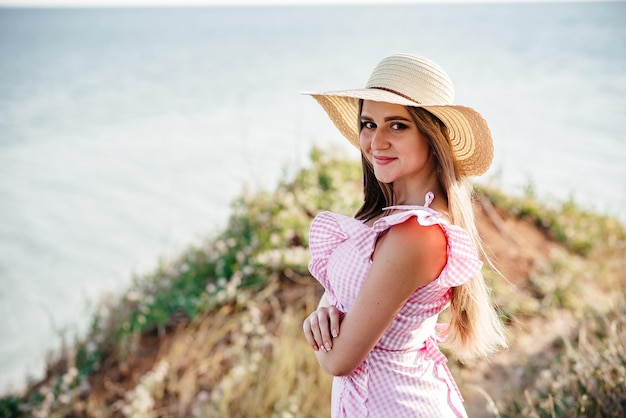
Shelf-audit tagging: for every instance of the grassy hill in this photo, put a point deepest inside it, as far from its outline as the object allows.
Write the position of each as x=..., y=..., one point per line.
x=216, y=332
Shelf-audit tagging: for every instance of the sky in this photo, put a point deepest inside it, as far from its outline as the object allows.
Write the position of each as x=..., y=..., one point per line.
x=148, y=3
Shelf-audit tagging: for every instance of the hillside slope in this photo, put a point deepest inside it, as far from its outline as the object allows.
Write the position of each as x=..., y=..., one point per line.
x=217, y=331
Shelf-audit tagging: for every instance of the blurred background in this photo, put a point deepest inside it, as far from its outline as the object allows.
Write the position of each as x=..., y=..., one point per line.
x=125, y=132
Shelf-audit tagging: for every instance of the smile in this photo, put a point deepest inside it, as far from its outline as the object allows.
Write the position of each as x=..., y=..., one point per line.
x=380, y=160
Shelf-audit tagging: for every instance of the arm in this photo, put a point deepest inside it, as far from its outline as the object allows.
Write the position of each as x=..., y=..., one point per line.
x=405, y=258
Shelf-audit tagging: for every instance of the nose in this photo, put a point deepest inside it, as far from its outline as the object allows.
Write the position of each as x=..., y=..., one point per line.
x=379, y=140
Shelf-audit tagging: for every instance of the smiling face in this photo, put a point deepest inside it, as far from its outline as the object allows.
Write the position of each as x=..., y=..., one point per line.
x=393, y=144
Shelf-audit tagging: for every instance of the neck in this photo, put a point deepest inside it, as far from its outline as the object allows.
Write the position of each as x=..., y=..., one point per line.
x=413, y=192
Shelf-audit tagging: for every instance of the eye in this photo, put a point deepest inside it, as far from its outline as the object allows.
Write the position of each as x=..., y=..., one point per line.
x=397, y=126
x=366, y=124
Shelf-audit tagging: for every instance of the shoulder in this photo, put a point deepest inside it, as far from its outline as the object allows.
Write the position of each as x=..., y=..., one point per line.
x=417, y=238
x=421, y=249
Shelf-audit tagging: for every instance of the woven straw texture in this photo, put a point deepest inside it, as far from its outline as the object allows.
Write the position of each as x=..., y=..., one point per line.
x=410, y=80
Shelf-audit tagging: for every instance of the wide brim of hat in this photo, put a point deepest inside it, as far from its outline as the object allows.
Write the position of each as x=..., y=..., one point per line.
x=470, y=137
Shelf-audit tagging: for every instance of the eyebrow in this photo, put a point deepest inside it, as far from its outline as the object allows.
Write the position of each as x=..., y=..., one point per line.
x=388, y=118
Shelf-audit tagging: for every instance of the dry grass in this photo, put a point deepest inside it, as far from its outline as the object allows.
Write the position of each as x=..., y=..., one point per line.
x=585, y=374
x=218, y=332
x=246, y=359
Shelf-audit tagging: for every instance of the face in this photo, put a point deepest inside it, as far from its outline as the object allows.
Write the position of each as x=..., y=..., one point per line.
x=391, y=141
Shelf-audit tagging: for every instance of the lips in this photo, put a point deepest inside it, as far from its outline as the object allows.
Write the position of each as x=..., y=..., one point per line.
x=382, y=160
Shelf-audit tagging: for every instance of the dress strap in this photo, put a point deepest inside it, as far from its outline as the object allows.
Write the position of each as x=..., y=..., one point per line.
x=428, y=199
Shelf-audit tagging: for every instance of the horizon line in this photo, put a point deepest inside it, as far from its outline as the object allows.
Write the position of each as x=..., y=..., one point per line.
x=221, y=3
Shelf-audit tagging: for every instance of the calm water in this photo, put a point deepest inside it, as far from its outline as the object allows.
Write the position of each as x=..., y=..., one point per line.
x=124, y=134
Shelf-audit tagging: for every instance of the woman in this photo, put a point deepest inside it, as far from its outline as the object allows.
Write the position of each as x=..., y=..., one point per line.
x=411, y=251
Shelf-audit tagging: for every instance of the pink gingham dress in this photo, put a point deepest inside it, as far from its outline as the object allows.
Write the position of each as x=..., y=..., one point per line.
x=405, y=375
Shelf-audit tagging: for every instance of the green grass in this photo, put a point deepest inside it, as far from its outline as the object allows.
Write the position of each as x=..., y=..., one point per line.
x=223, y=320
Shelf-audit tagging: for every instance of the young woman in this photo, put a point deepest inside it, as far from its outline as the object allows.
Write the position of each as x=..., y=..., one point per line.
x=411, y=251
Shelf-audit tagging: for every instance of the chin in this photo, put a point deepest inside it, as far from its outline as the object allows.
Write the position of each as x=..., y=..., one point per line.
x=385, y=179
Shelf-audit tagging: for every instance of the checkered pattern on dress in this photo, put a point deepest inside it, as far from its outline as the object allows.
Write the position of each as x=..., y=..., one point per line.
x=405, y=375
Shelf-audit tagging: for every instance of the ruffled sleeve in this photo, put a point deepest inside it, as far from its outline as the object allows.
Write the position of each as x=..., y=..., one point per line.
x=463, y=261
x=324, y=236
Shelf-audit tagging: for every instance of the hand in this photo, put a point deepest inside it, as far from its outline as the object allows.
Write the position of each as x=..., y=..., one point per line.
x=321, y=326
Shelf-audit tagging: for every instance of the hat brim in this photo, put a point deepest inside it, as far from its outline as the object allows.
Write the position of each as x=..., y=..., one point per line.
x=470, y=137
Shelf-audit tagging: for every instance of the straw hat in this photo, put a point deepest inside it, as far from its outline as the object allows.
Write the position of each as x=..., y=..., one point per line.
x=411, y=80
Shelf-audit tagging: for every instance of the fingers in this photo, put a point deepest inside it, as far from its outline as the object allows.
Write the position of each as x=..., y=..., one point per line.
x=310, y=324
x=335, y=319
x=323, y=319
x=320, y=326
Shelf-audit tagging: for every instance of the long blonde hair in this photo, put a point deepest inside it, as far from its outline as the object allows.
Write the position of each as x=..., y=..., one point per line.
x=475, y=329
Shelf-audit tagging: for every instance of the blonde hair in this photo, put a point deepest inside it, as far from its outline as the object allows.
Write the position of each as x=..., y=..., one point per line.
x=475, y=329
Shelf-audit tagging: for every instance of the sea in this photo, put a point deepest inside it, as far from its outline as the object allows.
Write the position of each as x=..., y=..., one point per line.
x=125, y=133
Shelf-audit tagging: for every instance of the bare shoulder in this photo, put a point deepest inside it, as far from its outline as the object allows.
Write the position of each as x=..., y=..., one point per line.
x=416, y=238
x=421, y=250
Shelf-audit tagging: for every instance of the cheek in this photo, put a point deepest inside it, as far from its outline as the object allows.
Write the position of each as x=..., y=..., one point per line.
x=364, y=143
x=422, y=148
x=419, y=154
x=423, y=155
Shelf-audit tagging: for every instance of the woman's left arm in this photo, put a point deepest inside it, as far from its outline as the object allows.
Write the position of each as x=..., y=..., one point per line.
x=406, y=257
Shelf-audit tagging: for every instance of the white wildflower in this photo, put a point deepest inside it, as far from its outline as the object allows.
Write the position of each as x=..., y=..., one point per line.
x=133, y=296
